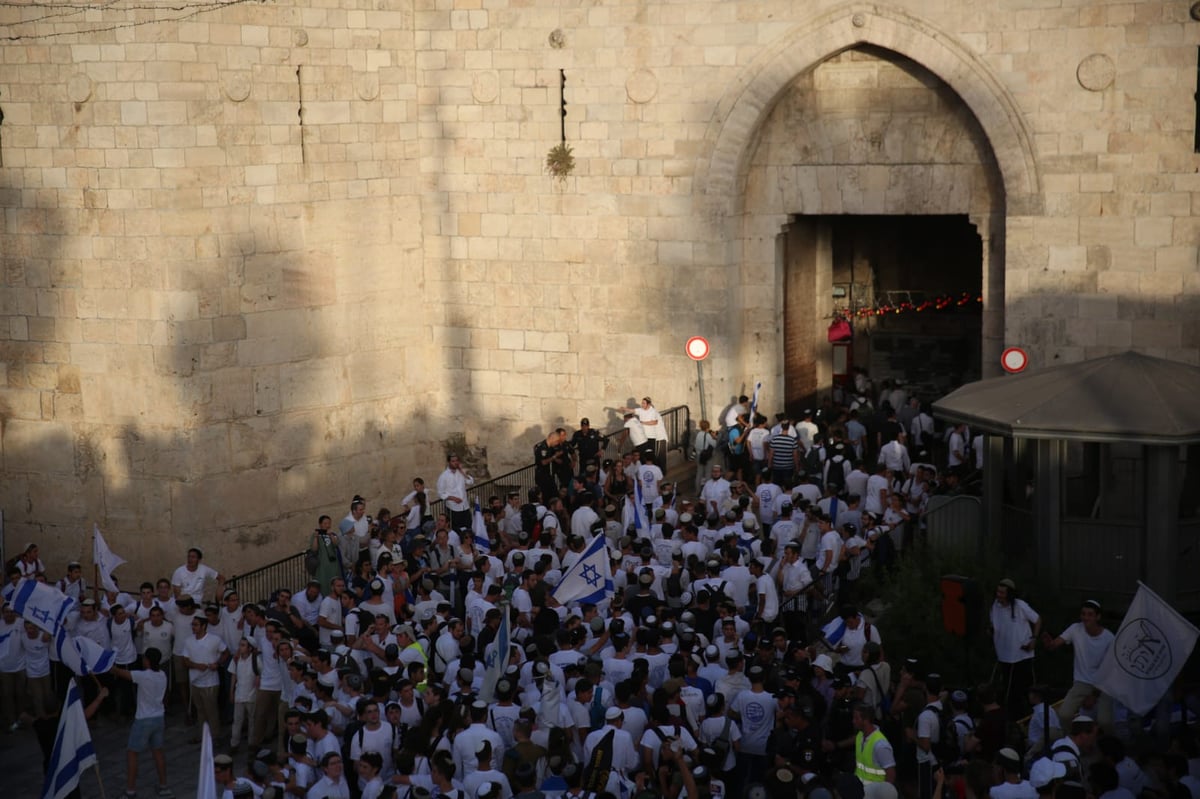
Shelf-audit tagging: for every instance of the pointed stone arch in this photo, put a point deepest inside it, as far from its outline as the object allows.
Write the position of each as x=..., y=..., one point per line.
x=747, y=102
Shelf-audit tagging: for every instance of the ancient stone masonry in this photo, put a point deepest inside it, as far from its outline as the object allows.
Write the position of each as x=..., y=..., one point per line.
x=261, y=256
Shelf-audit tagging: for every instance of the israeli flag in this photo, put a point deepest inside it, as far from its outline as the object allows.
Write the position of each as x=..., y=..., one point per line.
x=42, y=604
x=483, y=544
x=496, y=659
x=590, y=579
x=833, y=631
x=73, y=751
x=639, y=509
x=81, y=655
x=754, y=402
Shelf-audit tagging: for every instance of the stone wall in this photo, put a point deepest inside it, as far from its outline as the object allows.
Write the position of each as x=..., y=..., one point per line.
x=263, y=257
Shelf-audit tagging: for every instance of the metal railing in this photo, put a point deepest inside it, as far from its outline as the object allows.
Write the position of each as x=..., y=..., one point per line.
x=258, y=585
x=676, y=421
x=289, y=572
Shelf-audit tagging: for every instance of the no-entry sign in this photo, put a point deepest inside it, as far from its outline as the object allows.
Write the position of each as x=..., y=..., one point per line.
x=1014, y=359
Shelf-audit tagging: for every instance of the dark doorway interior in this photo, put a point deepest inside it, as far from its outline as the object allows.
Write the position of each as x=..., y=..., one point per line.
x=866, y=263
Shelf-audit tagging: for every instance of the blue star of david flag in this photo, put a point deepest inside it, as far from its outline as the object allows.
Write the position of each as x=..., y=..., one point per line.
x=639, y=509
x=73, y=751
x=42, y=604
x=754, y=402
x=496, y=659
x=590, y=579
x=479, y=532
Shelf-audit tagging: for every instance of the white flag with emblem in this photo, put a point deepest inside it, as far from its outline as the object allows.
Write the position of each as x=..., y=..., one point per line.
x=1150, y=648
x=105, y=559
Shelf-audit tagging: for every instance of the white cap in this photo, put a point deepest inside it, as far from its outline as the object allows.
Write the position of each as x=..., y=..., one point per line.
x=613, y=713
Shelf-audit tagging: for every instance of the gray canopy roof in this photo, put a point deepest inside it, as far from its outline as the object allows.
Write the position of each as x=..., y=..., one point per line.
x=1125, y=397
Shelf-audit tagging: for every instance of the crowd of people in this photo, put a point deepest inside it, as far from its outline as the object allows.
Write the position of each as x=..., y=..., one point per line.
x=731, y=657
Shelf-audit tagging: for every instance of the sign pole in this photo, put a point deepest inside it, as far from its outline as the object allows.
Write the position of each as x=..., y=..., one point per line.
x=697, y=349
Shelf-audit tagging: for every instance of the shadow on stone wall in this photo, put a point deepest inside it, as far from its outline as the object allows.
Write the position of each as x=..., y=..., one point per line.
x=205, y=403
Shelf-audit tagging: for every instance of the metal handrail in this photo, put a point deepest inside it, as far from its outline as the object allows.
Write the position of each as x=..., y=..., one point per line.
x=259, y=584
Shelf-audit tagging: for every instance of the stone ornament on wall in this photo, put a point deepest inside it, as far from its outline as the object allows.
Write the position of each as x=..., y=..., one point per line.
x=557, y=39
x=1096, y=72
x=641, y=86
x=366, y=85
x=485, y=86
x=236, y=86
x=300, y=37
x=79, y=88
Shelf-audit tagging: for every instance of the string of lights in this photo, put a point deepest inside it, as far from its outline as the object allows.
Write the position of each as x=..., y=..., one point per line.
x=940, y=303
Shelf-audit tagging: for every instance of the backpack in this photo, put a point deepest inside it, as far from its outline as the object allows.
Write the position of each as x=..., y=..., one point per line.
x=946, y=748
x=812, y=462
x=530, y=522
x=1074, y=770
x=720, y=746
x=596, y=771
x=718, y=595
x=836, y=477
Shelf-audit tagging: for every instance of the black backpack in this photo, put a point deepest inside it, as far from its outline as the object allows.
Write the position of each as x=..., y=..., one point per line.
x=596, y=771
x=836, y=478
x=946, y=748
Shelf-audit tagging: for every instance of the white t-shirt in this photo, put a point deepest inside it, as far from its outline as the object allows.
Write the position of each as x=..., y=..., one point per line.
x=1013, y=628
x=653, y=740
x=765, y=587
x=191, y=583
x=651, y=476
x=1089, y=650
x=757, y=711
x=1013, y=790
x=929, y=726
x=204, y=650
x=151, y=689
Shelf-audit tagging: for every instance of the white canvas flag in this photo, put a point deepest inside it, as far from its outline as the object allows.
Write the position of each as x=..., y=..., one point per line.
x=105, y=559
x=1149, y=650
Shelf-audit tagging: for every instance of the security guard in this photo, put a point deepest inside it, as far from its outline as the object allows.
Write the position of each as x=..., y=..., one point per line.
x=874, y=760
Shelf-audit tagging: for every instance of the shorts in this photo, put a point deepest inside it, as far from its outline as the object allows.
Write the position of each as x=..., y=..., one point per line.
x=146, y=734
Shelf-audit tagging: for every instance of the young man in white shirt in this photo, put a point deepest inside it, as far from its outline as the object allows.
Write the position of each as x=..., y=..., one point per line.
x=147, y=730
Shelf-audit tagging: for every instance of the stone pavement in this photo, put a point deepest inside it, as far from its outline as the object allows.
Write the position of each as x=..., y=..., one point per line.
x=21, y=761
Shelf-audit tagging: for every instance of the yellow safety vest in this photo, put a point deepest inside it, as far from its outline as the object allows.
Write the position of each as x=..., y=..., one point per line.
x=864, y=758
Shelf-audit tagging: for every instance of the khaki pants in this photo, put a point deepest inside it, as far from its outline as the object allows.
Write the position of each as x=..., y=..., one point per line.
x=262, y=727
x=12, y=697
x=43, y=703
x=204, y=701
x=1103, y=714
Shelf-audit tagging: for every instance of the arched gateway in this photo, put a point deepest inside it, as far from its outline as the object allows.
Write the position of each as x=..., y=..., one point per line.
x=848, y=146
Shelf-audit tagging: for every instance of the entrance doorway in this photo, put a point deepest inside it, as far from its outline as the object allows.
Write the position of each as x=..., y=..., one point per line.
x=910, y=286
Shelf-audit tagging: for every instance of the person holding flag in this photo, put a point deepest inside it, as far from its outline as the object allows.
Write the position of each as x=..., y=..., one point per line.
x=589, y=581
x=70, y=751
x=1091, y=642
x=148, y=721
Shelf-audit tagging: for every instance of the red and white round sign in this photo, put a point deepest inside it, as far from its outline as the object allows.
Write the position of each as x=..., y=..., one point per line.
x=696, y=348
x=1014, y=359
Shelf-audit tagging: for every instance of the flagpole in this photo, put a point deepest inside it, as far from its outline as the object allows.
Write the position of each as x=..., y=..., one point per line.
x=99, y=780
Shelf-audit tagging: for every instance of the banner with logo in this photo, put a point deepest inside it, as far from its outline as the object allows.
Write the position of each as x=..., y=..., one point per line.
x=1150, y=648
